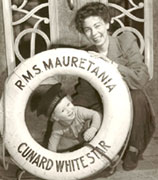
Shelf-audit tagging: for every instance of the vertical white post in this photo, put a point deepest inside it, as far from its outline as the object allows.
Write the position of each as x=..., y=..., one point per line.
x=9, y=37
x=54, y=25
x=148, y=35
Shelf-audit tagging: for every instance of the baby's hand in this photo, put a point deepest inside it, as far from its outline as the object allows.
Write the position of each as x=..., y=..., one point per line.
x=90, y=133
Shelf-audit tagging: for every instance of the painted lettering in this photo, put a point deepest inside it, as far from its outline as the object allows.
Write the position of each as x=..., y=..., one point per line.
x=90, y=65
x=104, y=145
x=26, y=152
x=111, y=87
x=77, y=163
x=49, y=164
x=89, y=155
x=107, y=81
x=83, y=162
x=82, y=62
x=68, y=166
x=95, y=71
x=20, y=84
x=95, y=153
x=27, y=77
x=103, y=77
x=71, y=165
x=31, y=156
x=49, y=65
x=58, y=62
x=68, y=61
x=43, y=162
x=36, y=69
x=20, y=146
x=74, y=61
x=34, y=158
x=59, y=166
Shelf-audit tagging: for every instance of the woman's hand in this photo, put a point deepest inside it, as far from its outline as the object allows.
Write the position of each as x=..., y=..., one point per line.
x=99, y=55
x=102, y=56
x=90, y=133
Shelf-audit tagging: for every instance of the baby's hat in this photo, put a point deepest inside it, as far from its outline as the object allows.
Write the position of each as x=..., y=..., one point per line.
x=50, y=99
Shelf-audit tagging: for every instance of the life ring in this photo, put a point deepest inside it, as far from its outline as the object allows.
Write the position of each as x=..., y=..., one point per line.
x=81, y=163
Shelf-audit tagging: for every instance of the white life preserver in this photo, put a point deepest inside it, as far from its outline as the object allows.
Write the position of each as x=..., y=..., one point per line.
x=117, y=115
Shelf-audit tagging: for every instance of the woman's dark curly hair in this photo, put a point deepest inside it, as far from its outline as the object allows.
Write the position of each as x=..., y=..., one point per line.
x=91, y=9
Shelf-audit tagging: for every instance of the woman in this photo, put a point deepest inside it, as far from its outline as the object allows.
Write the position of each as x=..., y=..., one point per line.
x=93, y=20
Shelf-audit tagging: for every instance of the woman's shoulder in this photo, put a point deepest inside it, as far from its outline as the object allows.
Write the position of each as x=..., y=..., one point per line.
x=126, y=36
x=126, y=39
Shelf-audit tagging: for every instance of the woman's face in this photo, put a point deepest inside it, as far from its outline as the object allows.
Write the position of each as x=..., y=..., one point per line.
x=96, y=30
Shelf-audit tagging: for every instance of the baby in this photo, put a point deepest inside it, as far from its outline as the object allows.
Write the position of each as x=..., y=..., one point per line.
x=69, y=120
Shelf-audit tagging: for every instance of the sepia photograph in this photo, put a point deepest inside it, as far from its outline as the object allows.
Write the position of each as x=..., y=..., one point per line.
x=78, y=90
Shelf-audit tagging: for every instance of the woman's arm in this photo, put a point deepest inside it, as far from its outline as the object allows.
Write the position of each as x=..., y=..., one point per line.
x=135, y=72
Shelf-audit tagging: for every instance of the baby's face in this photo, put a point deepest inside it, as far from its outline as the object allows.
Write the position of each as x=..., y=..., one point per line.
x=64, y=111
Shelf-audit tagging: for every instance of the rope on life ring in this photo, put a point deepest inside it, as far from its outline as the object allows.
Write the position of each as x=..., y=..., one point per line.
x=117, y=115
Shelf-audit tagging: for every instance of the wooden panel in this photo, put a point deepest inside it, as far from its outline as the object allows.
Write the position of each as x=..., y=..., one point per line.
x=63, y=29
x=67, y=31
